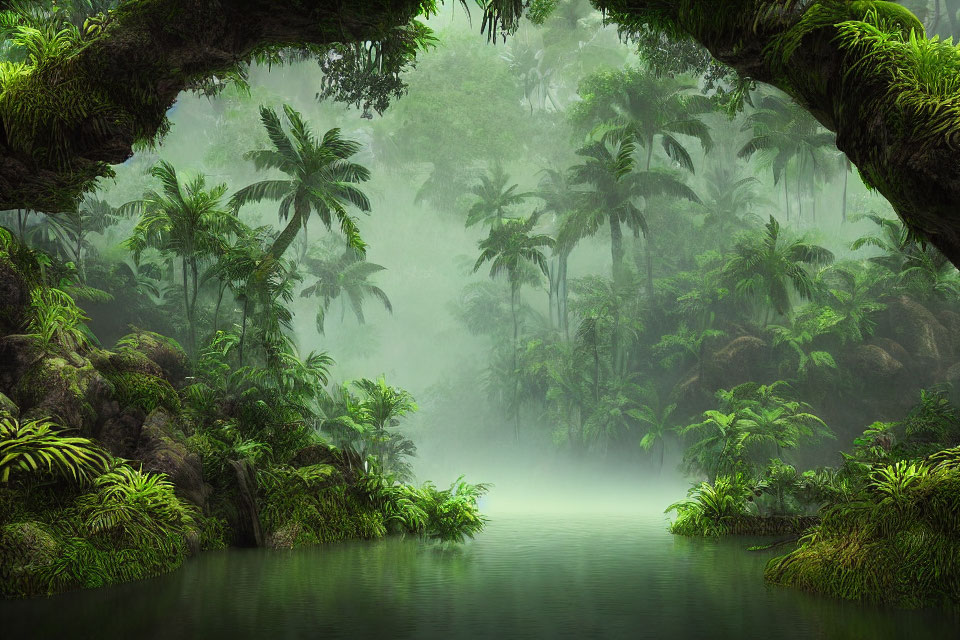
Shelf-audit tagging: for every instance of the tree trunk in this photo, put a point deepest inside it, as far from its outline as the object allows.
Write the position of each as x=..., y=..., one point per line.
x=562, y=296
x=289, y=233
x=786, y=197
x=846, y=175
x=516, y=374
x=649, y=260
x=616, y=246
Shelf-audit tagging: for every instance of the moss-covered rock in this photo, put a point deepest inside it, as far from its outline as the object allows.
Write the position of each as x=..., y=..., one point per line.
x=164, y=352
x=14, y=296
x=8, y=407
x=162, y=448
x=71, y=392
x=144, y=391
x=25, y=549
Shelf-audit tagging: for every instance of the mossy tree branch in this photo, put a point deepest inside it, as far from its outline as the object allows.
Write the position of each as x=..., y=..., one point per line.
x=68, y=116
x=863, y=69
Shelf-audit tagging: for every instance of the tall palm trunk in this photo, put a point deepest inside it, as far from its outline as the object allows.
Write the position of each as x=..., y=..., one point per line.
x=187, y=308
x=846, y=175
x=243, y=328
x=289, y=233
x=516, y=376
x=554, y=293
x=786, y=196
x=616, y=246
x=562, y=295
x=649, y=260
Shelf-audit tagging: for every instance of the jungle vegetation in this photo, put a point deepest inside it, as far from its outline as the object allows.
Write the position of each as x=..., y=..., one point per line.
x=644, y=259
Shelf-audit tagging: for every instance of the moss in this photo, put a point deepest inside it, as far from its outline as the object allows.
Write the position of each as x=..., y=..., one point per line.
x=897, y=544
x=144, y=391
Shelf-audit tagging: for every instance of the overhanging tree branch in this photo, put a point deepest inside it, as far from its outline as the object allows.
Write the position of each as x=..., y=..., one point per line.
x=863, y=69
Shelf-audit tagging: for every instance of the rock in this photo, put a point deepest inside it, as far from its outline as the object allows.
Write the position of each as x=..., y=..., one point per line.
x=346, y=461
x=8, y=407
x=14, y=297
x=163, y=351
x=161, y=449
x=918, y=330
x=119, y=433
x=743, y=359
x=873, y=363
x=25, y=547
x=245, y=519
x=70, y=392
x=895, y=349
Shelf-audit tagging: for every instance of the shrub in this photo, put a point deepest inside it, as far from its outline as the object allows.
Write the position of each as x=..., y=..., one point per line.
x=709, y=508
x=37, y=446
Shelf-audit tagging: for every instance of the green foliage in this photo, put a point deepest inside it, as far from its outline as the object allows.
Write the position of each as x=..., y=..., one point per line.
x=452, y=514
x=321, y=179
x=144, y=391
x=709, y=508
x=56, y=321
x=893, y=544
x=35, y=447
x=131, y=508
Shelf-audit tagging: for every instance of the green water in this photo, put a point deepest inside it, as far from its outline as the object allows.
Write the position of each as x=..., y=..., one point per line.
x=529, y=575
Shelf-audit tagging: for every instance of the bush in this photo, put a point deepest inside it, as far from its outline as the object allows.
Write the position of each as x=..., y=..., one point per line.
x=710, y=508
x=37, y=446
x=895, y=543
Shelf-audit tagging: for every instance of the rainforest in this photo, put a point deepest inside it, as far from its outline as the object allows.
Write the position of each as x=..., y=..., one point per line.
x=479, y=319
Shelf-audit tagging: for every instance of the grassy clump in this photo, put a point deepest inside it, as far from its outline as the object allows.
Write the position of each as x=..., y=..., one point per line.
x=312, y=505
x=894, y=543
x=710, y=509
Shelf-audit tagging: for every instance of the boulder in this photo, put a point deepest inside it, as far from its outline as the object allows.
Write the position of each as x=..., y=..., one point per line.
x=25, y=548
x=162, y=351
x=161, y=449
x=743, y=359
x=8, y=407
x=14, y=296
x=912, y=325
x=874, y=363
x=69, y=391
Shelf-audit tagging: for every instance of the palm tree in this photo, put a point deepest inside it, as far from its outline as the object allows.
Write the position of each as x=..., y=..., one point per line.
x=346, y=277
x=72, y=228
x=636, y=103
x=495, y=198
x=791, y=135
x=767, y=265
x=614, y=187
x=321, y=179
x=383, y=406
x=184, y=221
x=657, y=417
x=510, y=248
x=714, y=450
x=729, y=203
x=561, y=200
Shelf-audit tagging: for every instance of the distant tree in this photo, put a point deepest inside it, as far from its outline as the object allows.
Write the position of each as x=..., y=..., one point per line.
x=509, y=248
x=495, y=198
x=188, y=222
x=768, y=265
x=614, y=188
x=346, y=277
x=793, y=136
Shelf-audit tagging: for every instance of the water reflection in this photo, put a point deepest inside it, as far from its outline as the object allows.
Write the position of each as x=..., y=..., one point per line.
x=528, y=576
